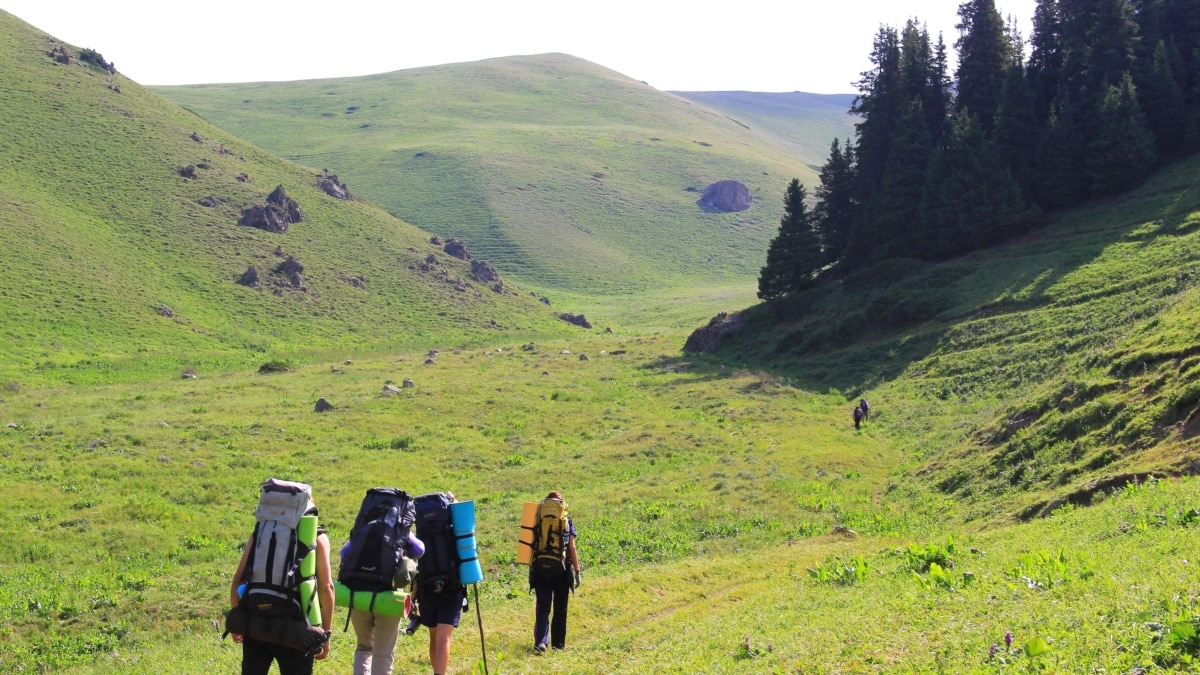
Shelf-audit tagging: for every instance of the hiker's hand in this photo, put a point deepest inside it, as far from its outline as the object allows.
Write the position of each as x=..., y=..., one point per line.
x=578, y=578
x=324, y=650
x=237, y=638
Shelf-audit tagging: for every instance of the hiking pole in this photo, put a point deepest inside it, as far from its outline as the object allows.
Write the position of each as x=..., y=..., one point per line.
x=482, y=642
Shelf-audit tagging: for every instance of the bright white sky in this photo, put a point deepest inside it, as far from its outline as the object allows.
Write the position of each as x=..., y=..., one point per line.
x=817, y=46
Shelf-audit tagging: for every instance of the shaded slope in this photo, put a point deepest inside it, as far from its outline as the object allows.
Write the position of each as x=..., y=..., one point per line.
x=106, y=250
x=560, y=171
x=1029, y=375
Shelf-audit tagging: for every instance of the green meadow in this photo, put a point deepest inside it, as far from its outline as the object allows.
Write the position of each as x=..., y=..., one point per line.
x=1020, y=501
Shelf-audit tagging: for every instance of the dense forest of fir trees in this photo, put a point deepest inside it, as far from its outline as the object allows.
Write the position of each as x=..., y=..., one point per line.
x=1102, y=92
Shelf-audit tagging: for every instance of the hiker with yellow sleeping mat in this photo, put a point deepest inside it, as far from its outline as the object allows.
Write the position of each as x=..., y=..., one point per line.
x=554, y=571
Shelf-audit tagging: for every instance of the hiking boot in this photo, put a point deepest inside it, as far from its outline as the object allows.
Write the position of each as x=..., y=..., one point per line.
x=540, y=648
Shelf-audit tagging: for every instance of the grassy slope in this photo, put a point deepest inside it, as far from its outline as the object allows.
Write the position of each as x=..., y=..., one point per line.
x=805, y=123
x=97, y=229
x=568, y=175
x=1026, y=373
x=706, y=488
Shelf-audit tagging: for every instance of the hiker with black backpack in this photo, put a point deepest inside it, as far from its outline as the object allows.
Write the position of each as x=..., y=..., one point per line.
x=554, y=572
x=281, y=596
x=378, y=560
x=440, y=595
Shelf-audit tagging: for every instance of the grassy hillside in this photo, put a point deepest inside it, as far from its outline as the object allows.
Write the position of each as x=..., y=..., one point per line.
x=1029, y=374
x=805, y=123
x=565, y=174
x=107, y=251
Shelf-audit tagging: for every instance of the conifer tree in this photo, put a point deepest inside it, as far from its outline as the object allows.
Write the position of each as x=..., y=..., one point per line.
x=1045, y=57
x=834, y=212
x=1162, y=100
x=1059, y=181
x=1122, y=152
x=983, y=57
x=890, y=225
x=794, y=255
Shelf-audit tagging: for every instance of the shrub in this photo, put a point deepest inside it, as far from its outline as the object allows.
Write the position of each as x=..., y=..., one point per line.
x=274, y=367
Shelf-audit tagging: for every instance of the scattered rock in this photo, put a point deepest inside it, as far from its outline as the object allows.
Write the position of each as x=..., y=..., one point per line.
x=457, y=249
x=243, y=177
x=544, y=300
x=430, y=362
x=60, y=55
x=483, y=272
x=707, y=338
x=618, y=352
x=293, y=270
x=577, y=319
x=565, y=351
x=323, y=405
x=432, y=259
x=334, y=188
x=188, y=172
x=435, y=241
x=212, y=200
x=408, y=383
x=348, y=362
x=197, y=137
x=188, y=376
x=163, y=310
x=498, y=287
x=98, y=443
x=608, y=329
x=276, y=215
x=545, y=372
x=250, y=278
x=584, y=357
x=13, y=425
x=357, y=282
x=390, y=390
x=728, y=196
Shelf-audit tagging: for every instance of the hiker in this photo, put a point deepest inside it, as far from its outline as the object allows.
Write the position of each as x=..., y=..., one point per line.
x=440, y=596
x=257, y=654
x=866, y=408
x=550, y=572
x=379, y=556
x=858, y=416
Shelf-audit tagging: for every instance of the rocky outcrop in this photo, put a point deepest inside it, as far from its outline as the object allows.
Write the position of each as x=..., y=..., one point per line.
x=577, y=319
x=333, y=187
x=293, y=270
x=279, y=213
x=457, y=249
x=728, y=196
x=249, y=278
x=707, y=338
x=483, y=272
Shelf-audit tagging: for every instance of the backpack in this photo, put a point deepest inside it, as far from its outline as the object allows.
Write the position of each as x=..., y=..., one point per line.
x=369, y=560
x=437, y=570
x=549, y=538
x=272, y=573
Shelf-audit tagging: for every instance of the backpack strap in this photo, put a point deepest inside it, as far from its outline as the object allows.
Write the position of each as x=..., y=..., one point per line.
x=348, y=611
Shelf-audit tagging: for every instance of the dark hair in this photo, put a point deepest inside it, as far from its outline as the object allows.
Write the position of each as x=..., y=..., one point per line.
x=554, y=494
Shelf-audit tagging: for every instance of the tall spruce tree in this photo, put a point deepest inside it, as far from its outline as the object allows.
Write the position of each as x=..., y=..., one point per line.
x=1045, y=57
x=1122, y=152
x=1059, y=179
x=794, y=256
x=983, y=58
x=879, y=107
x=835, y=208
x=1162, y=100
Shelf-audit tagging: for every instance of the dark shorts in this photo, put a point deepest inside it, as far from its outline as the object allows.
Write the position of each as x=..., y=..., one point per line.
x=447, y=610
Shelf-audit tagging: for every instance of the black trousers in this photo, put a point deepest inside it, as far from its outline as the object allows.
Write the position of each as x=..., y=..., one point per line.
x=257, y=657
x=552, y=594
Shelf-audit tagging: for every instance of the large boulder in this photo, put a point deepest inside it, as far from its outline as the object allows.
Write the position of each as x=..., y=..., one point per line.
x=457, y=249
x=728, y=196
x=276, y=215
x=577, y=319
x=707, y=338
x=334, y=187
x=483, y=272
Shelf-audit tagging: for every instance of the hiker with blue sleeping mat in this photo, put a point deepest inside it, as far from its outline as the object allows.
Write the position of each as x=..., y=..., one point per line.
x=441, y=596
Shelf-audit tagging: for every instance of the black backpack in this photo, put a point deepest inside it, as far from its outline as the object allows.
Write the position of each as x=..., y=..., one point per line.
x=369, y=561
x=437, y=570
x=272, y=573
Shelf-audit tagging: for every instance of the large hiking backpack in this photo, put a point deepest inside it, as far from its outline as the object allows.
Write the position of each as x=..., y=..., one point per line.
x=272, y=573
x=437, y=570
x=549, y=539
x=369, y=560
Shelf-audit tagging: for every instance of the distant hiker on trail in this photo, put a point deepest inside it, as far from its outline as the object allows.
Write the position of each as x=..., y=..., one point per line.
x=865, y=407
x=550, y=572
x=440, y=595
x=380, y=555
x=271, y=592
x=858, y=416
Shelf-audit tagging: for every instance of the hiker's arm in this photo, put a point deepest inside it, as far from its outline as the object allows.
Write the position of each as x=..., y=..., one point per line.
x=324, y=589
x=573, y=555
x=234, y=600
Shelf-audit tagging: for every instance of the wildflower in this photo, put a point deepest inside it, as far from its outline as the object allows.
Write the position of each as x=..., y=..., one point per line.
x=992, y=651
x=1008, y=638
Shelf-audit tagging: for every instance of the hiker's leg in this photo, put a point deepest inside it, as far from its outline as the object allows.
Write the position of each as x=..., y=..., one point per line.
x=292, y=662
x=541, y=612
x=558, y=625
x=364, y=632
x=439, y=647
x=387, y=628
x=256, y=657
